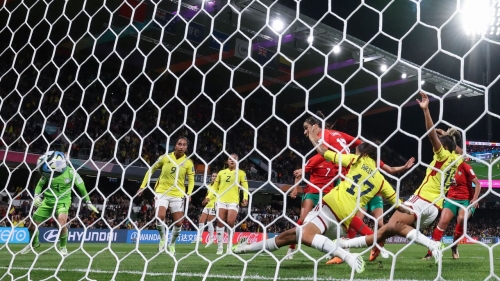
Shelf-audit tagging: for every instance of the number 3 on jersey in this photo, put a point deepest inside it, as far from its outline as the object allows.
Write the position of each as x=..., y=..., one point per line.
x=356, y=178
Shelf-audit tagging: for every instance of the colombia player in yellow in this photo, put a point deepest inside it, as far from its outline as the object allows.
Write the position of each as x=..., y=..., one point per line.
x=170, y=190
x=427, y=198
x=208, y=214
x=362, y=182
x=226, y=195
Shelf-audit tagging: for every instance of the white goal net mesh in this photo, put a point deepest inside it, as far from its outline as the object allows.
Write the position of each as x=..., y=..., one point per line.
x=115, y=85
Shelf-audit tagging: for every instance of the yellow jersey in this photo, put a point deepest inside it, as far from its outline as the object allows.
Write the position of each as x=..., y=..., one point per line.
x=430, y=189
x=173, y=175
x=342, y=200
x=211, y=203
x=227, y=186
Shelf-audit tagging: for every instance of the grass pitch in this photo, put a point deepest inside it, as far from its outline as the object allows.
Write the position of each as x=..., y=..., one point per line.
x=123, y=262
x=481, y=170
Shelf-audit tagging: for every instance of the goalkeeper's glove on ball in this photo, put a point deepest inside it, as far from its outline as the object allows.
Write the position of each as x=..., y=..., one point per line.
x=38, y=200
x=91, y=207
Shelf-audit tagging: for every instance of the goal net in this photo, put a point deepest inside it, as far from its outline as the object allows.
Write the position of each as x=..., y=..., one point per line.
x=116, y=84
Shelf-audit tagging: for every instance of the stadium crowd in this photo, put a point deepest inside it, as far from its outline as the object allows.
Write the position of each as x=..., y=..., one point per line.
x=134, y=118
x=109, y=124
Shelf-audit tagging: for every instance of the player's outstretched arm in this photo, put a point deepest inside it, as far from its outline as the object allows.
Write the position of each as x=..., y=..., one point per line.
x=83, y=191
x=147, y=176
x=477, y=190
x=395, y=170
x=38, y=198
x=293, y=193
x=433, y=136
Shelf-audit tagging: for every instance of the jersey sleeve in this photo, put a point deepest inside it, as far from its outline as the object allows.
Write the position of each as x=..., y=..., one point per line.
x=313, y=162
x=381, y=163
x=244, y=184
x=441, y=154
x=155, y=167
x=389, y=194
x=190, y=175
x=80, y=185
x=351, y=140
x=347, y=159
x=39, y=186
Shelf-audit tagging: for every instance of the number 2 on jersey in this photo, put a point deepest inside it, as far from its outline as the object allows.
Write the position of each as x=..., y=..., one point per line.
x=356, y=179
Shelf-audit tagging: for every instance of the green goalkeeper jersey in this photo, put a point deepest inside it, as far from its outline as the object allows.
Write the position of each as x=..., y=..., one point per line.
x=60, y=187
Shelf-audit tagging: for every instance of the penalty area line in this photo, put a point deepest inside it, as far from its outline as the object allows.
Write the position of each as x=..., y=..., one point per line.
x=186, y=274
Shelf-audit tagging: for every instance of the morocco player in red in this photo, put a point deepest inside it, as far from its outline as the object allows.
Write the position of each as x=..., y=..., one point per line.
x=459, y=197
x=322, y=173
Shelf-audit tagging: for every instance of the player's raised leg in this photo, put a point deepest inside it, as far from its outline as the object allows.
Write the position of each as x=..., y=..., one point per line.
x=317, y=222
x=356, y=226
x=400, y=224
x=309, y=200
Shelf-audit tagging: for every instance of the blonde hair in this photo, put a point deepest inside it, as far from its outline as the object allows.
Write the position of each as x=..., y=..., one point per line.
x=455, y=134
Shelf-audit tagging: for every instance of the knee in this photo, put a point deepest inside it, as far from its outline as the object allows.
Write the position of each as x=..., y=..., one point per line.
x=460, y=219
x=392, y=227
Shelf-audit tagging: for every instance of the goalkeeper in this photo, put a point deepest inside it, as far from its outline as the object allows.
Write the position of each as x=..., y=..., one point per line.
x=57, y=197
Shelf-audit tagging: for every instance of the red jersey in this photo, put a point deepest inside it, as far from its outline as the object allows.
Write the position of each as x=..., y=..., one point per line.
x=340, y=142
x=461, y=186
x=321, y=174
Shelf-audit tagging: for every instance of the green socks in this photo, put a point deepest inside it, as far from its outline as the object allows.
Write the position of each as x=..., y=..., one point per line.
x=63, y=239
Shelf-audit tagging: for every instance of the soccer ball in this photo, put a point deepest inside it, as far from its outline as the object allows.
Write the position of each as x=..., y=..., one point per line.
x=52, y=161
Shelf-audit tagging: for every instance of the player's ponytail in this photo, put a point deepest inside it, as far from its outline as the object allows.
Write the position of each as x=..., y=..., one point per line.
x=366, y=149
x=455, y=134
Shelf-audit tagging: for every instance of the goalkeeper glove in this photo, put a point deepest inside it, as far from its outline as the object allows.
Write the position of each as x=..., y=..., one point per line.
x=91, y=207
x=38, y=201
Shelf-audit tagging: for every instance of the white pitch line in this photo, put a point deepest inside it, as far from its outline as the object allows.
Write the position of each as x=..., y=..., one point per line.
x=185, y=274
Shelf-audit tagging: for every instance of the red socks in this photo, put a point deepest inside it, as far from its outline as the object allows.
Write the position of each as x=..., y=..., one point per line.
x=351, y=233
x=459, y=231
x=299, y=222
x=437, y=234
x=358, y=226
